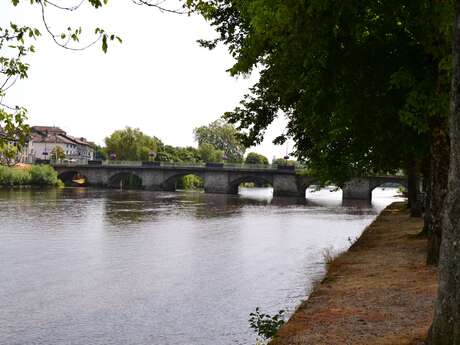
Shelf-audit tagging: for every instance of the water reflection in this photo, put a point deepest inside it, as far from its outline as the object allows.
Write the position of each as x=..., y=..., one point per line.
x=82, y=266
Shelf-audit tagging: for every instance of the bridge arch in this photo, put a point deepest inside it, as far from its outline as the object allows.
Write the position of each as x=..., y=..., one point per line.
x=304, y=183
x=125, y=180
x=73, y=178
x=257, y=180
x=388, y=181
x=385, y=183
x=173, y=182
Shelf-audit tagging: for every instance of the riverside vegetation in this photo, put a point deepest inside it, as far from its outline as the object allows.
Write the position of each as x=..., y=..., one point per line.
x=37, y=175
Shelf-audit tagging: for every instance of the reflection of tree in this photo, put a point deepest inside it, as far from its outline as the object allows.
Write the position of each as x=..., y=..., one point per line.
x=129, y=207
x=215, y=205
x=136, y=207
x=41, y=205
x=121, y=213
x=30, y=195
x=126, y=181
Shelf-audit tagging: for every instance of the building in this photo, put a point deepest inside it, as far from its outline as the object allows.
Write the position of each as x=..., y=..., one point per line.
x=84, y=148
x=43, y=140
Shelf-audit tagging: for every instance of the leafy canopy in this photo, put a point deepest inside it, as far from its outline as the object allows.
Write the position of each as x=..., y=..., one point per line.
x=209, y=154
x=130, y=144
x=57, y=153
x=255, y=158
x=224, y=137
x=359, y=82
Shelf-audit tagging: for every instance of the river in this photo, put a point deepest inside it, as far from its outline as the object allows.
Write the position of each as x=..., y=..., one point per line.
x=98, y=267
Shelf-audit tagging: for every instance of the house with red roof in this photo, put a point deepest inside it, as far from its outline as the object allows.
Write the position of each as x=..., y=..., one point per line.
x=43, y=139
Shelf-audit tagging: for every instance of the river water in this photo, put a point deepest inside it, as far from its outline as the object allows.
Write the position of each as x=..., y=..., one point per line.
x=84, y=267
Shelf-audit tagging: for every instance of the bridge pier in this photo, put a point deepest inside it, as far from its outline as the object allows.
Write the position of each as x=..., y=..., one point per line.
x=218, y=183
x=286, y=185
x=357, y=189
x=152, y=182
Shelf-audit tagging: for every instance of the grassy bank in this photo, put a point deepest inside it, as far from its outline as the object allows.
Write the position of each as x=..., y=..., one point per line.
x=380, y=292
x=37, y=175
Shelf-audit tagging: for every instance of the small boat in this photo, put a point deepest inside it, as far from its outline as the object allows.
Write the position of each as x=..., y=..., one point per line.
x=79, y=180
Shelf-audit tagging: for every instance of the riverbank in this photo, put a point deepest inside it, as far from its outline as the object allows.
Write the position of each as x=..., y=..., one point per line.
x=380, y=292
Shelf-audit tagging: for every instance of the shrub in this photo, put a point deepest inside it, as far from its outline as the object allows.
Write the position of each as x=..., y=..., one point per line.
x=266, y=325
x=40, y=175
x=20, y=177
x=44, y=175
x=13, y=177
x=4, y=175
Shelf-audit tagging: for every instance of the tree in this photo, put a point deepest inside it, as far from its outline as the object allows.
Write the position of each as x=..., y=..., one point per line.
x=99, y=151
x=255, y=158
x=188, y=154
x=168, y=153
x=364, y=86
x=57, y=153
x=191, y=182
x=130, y=145
x=446, y=324
x=282, y=161
x=209, y=154
x=222, y=136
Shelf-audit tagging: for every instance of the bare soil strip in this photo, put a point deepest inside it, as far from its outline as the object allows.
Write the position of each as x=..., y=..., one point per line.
x=380, y=292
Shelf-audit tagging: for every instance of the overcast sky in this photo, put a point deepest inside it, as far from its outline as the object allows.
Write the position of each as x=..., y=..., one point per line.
x=158, y=80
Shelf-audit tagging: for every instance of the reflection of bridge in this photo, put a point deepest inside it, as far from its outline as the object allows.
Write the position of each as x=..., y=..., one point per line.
x=218, y=178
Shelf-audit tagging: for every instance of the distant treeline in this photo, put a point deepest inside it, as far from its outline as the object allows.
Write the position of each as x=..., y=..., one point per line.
x=217, y=142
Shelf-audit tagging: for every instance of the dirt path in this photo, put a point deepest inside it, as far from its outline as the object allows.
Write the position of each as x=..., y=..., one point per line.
x=380, y=292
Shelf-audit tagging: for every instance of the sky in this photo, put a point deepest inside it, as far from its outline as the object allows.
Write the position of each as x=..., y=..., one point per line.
x=158, y=80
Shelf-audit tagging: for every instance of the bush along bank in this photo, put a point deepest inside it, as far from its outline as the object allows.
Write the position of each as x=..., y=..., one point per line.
x=37, y=175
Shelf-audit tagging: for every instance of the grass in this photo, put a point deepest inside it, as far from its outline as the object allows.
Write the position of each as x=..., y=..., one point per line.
x=329, y=255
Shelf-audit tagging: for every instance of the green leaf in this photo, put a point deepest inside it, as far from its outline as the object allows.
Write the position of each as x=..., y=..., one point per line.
x=104, y=43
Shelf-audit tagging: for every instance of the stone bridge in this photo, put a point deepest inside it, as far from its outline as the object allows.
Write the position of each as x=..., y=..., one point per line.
x=218, y=178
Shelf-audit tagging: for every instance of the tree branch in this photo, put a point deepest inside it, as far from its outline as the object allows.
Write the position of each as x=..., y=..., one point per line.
x=53, y=36
x=65, y=8
x=158, y=5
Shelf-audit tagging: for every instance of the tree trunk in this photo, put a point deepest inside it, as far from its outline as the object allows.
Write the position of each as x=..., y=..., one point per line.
x=413, y=189
x=439, y=170
x=427, y=217
x=446, y=324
